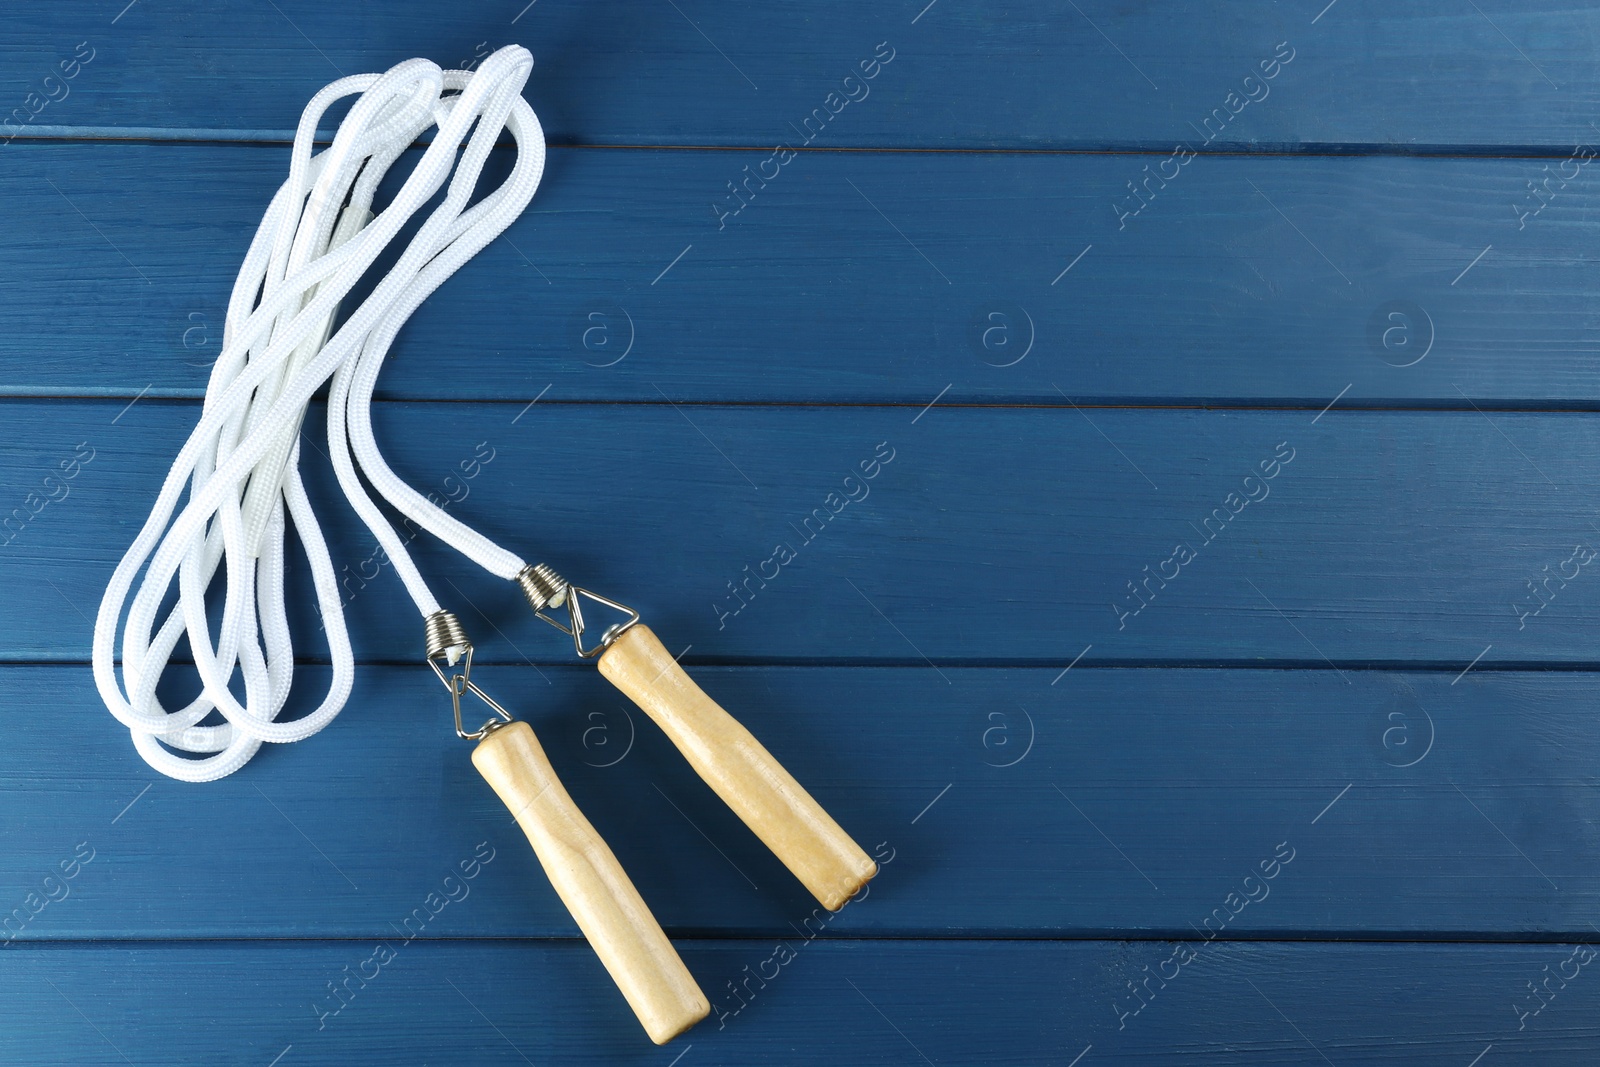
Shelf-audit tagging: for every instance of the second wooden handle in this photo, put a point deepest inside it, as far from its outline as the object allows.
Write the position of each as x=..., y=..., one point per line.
x=743, y=773
x=592, y=884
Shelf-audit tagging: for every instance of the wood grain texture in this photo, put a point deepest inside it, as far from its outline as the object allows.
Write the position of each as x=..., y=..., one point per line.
x=977, y=75
x=981, y=537
x=1253, y=280
x=739, y=769
x=614, y=919
x=1110, y=803
x=830, y=1001
x=1082, y=679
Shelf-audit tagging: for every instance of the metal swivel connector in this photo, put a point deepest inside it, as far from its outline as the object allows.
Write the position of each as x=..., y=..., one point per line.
x=544, y=588
x=448, y=645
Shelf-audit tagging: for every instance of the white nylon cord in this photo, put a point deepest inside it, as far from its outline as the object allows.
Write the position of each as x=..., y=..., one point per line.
x=241, y=462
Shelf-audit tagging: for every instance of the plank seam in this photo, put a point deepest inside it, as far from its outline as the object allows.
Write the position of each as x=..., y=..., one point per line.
x=1359, y=406
x=1266, y=149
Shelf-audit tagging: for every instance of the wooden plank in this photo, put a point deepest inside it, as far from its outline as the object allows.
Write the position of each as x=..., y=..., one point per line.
x=988, y=536
x=830, y=1002
x=973, y=75
x=1012, y=278
x=997, y=802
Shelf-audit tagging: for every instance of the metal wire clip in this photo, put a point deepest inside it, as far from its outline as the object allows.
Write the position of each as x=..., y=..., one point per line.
x=448, y=645
x=544, y=588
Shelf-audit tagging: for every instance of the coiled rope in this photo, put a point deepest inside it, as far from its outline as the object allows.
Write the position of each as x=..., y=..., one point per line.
x=241, y=463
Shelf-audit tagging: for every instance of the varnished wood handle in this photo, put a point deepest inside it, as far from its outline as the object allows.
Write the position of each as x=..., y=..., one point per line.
x=743, y=773
x=592, y=884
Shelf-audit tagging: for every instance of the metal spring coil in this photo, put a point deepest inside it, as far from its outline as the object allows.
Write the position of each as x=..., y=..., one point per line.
x=542, y=586
x=444, y=632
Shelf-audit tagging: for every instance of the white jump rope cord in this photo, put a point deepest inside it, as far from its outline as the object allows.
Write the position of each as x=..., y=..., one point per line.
x=241, y=462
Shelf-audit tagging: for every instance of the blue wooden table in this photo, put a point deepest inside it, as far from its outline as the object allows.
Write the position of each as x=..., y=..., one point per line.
x=1210, y=665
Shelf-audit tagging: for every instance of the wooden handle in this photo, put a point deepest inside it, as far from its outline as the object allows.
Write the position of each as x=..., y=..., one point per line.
x=744, y=774
x=592, y=884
